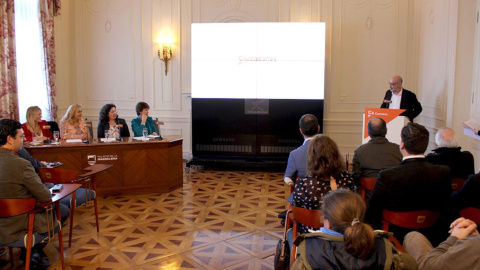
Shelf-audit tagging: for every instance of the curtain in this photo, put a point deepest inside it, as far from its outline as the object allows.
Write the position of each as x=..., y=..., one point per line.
x=49, y=9
x=8, y=70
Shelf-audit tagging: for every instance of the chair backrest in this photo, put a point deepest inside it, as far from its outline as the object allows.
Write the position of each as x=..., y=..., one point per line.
x=367, y=183
x=57, y=176
x=15, y=207
x=471, y=213
x=412, y=219
x=457, y=183
x=307, y=217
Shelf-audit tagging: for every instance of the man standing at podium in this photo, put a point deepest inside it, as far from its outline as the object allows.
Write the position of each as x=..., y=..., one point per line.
x=399, y=98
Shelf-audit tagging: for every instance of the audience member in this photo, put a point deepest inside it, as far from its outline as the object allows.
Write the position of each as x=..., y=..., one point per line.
x=109, y=121
x=346, y=242
x=325, y=172
x=72, y=126
x=35, y=126
x=297, y=160
x=19, y=180
x=459, y=251
x=469, y=194
x=413, y=185
x=399, y=98
x=377, y=154
x=143, y=121
x=449, y=153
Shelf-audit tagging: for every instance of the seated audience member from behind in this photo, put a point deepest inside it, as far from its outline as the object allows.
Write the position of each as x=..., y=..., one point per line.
x=449, y=153
x=297, y=160
x=346, y=242
x=19, y=180
x=377, y=154
x=143, y=121
x=413, y=185
x=468, y=195
x=109, y=121
x=325, y=172
x=399, y=98
x=459, y=251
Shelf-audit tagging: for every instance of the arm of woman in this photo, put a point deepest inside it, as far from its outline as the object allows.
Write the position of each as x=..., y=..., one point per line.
x=152, y=126
x=101, y=130
x=27, y=133
x=63, y=129
x=124, y=132
x=137, y=127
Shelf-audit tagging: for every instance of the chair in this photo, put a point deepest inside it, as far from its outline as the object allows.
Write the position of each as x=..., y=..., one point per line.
x=15, y=207
x=471, y=213
x=61, y=176
x=420, y=219
x=457, y=183
x=307, y=217
x=53, y=126
x=367, y=183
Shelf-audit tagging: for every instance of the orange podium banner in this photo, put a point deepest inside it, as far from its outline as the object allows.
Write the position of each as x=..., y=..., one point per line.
x=386, y=114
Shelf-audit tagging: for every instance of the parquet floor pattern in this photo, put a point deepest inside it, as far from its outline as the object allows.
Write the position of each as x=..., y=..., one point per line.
x=218, y=220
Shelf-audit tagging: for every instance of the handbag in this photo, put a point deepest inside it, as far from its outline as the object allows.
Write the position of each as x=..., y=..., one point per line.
x=282, y=252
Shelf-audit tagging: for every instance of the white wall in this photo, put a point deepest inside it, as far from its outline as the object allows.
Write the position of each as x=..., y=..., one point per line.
x=107, y=53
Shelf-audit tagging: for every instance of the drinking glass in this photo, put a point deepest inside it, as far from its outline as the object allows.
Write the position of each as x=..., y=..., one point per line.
x=145, y=133
x=56, y=136
x=107, y=134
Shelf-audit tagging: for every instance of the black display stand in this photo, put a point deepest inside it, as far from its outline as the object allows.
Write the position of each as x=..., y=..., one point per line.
x=248, y=132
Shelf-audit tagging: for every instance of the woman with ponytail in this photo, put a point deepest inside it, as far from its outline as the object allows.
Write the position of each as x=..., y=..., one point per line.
x=346, y=242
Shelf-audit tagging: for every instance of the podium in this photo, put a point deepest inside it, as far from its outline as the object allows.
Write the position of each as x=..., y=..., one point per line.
x=392, y=117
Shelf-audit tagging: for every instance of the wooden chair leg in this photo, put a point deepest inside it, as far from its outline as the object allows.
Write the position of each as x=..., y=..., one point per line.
x=95, y=202
x=31, y=221
x=60, y=238
x=72, y=210
x=11, y=256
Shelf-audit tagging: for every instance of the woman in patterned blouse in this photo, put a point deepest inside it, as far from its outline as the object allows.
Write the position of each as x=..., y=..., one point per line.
x=326, y=172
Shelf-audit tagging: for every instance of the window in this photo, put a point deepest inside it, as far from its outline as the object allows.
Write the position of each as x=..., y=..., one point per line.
x=31, y=73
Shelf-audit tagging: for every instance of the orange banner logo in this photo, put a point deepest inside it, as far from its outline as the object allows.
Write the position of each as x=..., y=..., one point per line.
x=386, y=114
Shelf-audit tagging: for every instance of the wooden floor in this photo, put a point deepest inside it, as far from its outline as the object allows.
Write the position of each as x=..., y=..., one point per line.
x=218, y=220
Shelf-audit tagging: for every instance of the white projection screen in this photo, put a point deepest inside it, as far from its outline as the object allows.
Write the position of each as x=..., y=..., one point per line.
x=258, y=60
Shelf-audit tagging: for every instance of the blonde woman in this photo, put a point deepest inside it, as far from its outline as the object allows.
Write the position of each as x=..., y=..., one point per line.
x=35, y=126
x=72, y=126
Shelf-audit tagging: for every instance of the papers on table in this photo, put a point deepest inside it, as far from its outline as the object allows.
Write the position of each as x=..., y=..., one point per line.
x=74, y=140
x=109, y=139
x=141, y=138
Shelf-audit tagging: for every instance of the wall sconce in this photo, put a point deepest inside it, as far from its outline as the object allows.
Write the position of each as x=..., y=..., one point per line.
x=165, y=53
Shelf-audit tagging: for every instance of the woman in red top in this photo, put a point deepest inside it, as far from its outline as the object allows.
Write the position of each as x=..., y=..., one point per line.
x=35, y=125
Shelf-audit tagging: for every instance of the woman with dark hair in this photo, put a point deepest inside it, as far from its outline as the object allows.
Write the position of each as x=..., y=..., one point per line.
x=326, y=172
x=143, y=121
x=109, y=121
x=346, y=242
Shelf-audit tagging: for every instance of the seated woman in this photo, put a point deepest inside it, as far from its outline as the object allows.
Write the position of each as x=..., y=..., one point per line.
x=35, y=126
x=345, y=242
x=325, y=170
x=72, y=126
x=143, y=121
x=109, y=121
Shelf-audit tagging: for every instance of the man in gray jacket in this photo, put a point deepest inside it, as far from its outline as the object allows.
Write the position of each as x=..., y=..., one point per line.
x=19, y=180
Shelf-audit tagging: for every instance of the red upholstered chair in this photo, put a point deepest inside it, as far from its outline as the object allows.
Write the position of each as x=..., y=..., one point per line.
x=310, y=218
x=367, y=183
x=421, y=219
x=471, y=213
x=15, y=207
x=61, y=176
x=457, y=183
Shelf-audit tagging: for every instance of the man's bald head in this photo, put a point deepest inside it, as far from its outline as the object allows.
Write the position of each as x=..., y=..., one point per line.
x=445, y=137
x=377, y=127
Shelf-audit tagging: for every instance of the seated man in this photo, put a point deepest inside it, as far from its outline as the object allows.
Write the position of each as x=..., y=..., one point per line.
x=19, y=180
x=449, y=153
x=413, y=185
x=297, y=160
x=377, y=154
x=459, y=251
x=469, y=194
